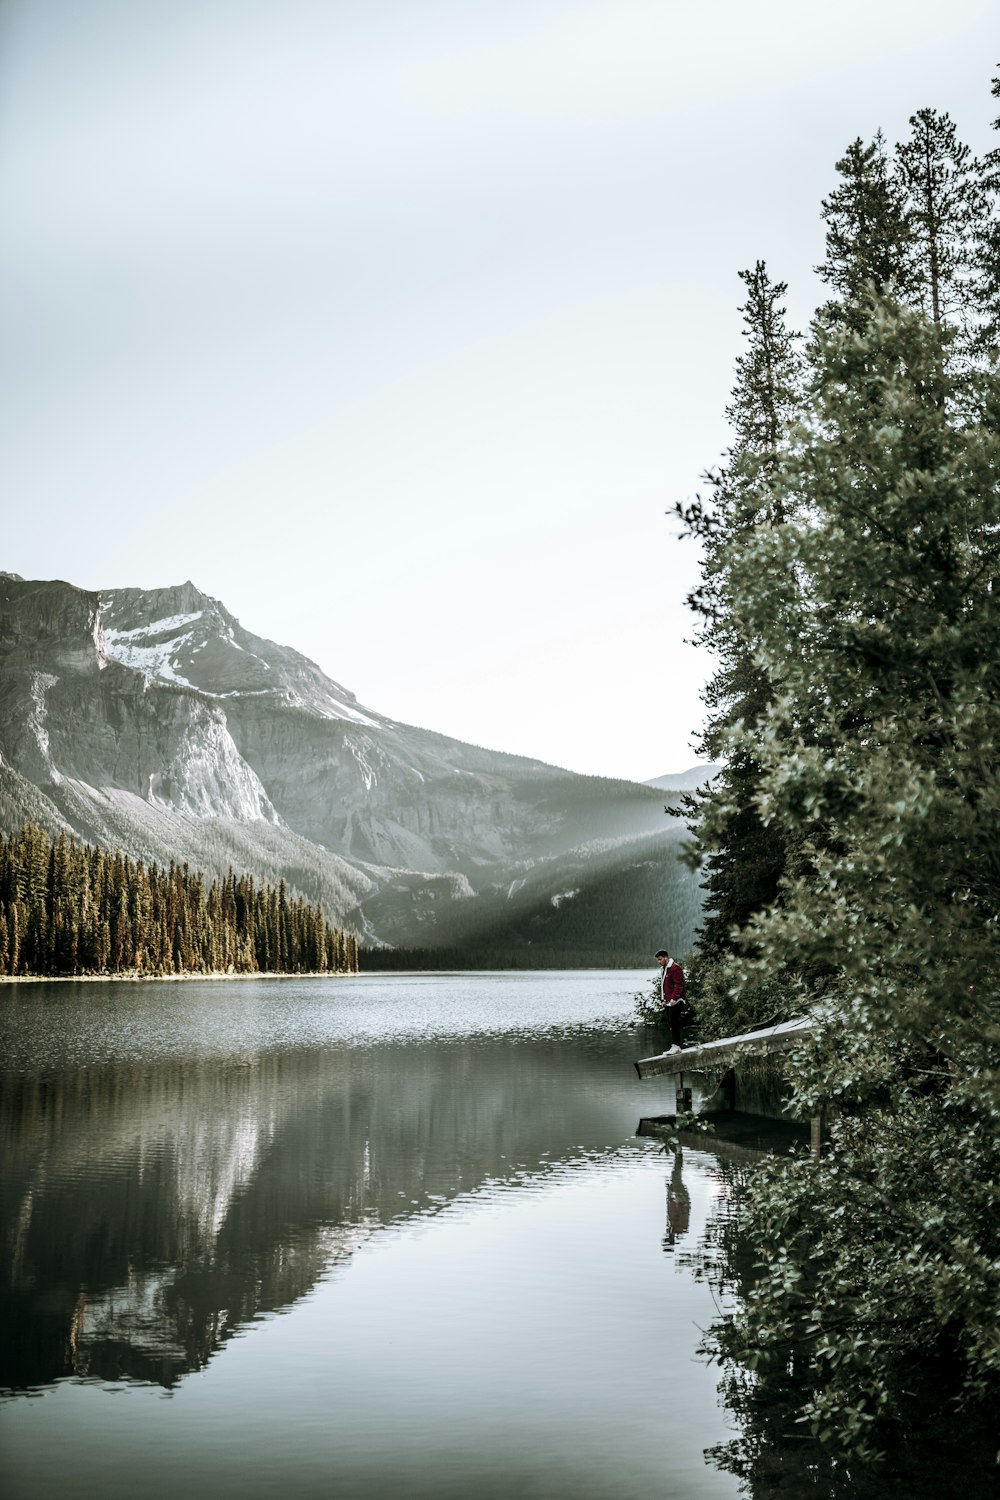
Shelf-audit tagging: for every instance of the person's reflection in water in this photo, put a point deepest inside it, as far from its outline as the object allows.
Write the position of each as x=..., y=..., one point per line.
x=678, y=1204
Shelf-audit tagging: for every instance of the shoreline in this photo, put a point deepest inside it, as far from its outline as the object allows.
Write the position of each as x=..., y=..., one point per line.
x=218, y=976
x=215, y=975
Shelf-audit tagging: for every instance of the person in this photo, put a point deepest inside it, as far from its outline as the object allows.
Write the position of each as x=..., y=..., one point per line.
x=672, y=990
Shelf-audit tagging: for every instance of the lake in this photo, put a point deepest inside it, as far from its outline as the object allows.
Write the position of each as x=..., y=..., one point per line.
x=356, y=1237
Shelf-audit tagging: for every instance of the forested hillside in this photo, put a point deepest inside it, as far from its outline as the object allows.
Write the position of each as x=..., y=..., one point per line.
x=74, y=909
x=615, y=919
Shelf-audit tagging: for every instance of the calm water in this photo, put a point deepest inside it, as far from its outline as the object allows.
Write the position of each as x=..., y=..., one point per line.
x=353, y=1238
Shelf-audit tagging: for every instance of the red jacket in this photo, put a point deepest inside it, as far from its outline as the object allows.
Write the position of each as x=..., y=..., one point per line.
x=672, y=985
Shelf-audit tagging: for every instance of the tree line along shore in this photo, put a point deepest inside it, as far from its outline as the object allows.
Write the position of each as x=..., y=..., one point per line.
x=73, y=910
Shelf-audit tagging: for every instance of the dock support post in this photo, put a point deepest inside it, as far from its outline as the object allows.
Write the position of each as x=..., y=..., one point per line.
x=816, y=1136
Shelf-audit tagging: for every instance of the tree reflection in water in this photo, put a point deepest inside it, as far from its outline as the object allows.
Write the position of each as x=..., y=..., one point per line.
x=774, y=1454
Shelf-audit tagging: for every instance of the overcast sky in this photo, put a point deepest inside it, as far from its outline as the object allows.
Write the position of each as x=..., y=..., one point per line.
x=398, y=325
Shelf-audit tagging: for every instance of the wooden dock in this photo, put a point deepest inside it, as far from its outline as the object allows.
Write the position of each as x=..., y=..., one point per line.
x=709, y=1056
x=708, y=1078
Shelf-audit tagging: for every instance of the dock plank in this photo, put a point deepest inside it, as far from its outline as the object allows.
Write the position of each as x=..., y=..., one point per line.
x=710, y=1055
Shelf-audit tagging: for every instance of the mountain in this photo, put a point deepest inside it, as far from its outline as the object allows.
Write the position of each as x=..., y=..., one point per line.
x=685, y=781
x=92, y=746
x=152, y=719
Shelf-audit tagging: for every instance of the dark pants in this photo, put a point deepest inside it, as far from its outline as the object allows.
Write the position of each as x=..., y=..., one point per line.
x=675, y=1015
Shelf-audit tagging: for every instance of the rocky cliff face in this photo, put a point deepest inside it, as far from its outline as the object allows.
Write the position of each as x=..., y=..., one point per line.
x=73, y=713
x=152, y=718
x=91, y=744
x=183, y=636
x=347, y=776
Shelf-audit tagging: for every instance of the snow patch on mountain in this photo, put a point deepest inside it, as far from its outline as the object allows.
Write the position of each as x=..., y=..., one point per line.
x=332, y=708
x=165, y=648
x=158, y=661
x=169, y=625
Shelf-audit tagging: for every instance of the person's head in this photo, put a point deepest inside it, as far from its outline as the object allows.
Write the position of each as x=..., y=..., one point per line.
x=662, y=957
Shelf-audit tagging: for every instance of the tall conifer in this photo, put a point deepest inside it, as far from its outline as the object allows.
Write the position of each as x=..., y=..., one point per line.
x=873, y=612
x=868, y=234
x=946, y=207
x=745, y=858
x=988, y=335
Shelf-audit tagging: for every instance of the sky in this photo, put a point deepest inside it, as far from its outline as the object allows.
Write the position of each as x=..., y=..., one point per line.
x=400, y=326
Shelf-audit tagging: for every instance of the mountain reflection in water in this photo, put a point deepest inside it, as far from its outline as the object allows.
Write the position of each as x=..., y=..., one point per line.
x=157, y=1205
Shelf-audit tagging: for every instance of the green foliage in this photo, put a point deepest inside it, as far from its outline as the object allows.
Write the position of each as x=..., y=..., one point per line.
x=649, y=1003
x=873, y=614
x=727, y=1010
x=73, y=909
x=882, y=630
x=868, y=234
x=883, y=637
x=871, y=1321
x=945, y=203
x=988, y=253
x=745, y=859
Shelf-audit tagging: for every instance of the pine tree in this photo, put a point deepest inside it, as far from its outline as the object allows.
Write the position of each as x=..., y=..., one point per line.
x=14, y=937
x=988, y=255
x=745, y=858
x=883, y=628
x=868, y=235
x=874, y=616
x=946, y=206
x=66, y=909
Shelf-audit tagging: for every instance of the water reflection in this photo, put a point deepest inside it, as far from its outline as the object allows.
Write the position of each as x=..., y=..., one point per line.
x=156, y=1208
x=434, y=1181
x=678, y=1204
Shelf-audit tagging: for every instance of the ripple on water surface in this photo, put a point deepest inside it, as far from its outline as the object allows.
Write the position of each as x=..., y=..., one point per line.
x=370, y=1237
x=73, y=1023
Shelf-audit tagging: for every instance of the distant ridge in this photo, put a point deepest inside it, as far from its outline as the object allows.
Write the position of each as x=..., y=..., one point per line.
x=685, y=781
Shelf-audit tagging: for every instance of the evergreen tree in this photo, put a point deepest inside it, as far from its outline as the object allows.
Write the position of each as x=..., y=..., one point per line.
x=873, y=614
x=15, y=937
x=883, y=628
x=988, y=249
x=68, y=909
x=744, y=858
x=946, y=206
x=868, y=235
